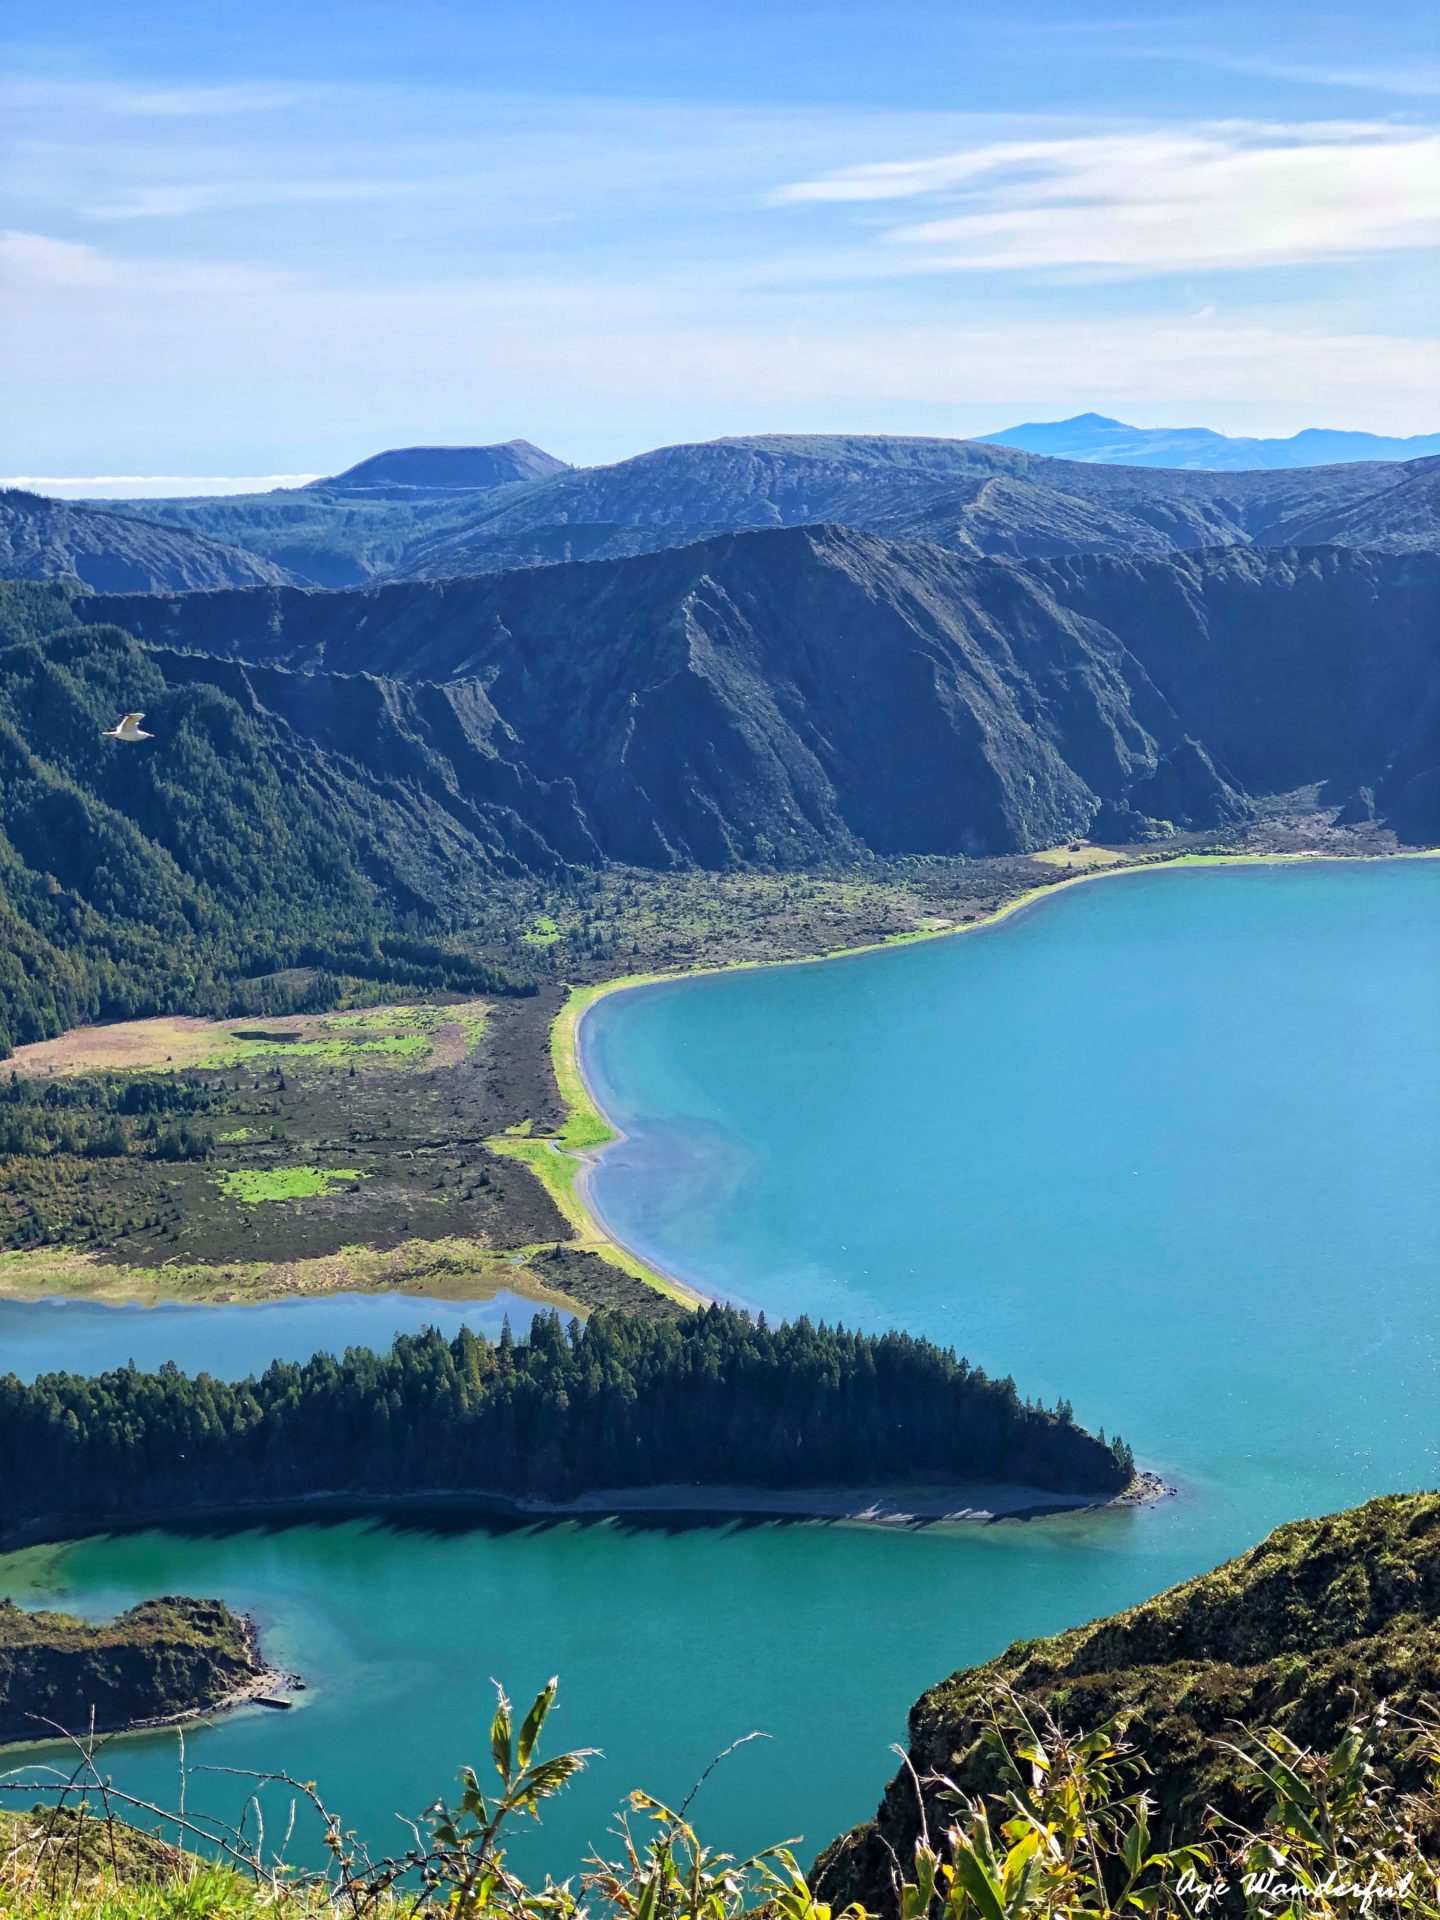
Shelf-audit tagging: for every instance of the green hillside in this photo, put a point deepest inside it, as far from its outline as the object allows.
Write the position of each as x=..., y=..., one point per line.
x=117, y=552
x=1317, y=1625
x=182, y=874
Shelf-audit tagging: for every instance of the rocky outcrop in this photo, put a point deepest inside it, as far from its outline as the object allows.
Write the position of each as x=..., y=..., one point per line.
x=163, y=1659
x=1319, y=1623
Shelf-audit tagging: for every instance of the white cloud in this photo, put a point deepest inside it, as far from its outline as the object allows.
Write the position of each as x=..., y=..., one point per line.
x=194, y=102
x=1418, y=78
x=388, y=266
x=30, y=261
x=153, y=486
x=1156, y=201
x=183, y=199
x=823, y=372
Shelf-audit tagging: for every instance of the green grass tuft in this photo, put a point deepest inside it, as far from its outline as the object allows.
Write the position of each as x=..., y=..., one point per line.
x=253, y=1186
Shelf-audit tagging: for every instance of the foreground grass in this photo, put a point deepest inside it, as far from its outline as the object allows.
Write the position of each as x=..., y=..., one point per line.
x=1065, y=1835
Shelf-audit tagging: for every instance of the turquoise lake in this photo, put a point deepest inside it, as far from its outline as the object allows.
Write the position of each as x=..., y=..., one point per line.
x=1166, y=1144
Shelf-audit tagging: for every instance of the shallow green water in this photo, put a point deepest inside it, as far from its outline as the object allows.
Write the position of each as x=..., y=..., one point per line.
x=1166, y=1144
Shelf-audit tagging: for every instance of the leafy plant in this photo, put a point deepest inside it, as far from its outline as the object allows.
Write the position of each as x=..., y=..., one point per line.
x=1065, y=1836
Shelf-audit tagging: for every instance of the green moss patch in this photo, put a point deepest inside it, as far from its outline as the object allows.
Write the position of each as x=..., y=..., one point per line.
x=253, y=1186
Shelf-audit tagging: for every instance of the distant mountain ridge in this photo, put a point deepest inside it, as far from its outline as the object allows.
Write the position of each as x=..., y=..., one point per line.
x=1093, y=436
x=373, y=523
x=959, y=494
x=348, y=528
x=43, y=539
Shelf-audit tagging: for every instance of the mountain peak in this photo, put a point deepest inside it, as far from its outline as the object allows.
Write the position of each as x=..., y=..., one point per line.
x=445, y=469
x=1097, y=438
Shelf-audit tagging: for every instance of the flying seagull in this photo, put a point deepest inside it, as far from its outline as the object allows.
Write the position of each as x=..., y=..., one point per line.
x=129, y=729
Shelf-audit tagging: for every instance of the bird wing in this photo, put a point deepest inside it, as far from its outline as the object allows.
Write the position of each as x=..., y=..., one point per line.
x=132, y=719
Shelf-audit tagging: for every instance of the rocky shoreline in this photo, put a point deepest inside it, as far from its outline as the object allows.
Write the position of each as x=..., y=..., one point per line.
x=162, y=1663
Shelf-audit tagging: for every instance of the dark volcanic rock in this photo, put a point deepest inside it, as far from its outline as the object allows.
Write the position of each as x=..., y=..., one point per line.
x=162, y=1658
x=812, y=692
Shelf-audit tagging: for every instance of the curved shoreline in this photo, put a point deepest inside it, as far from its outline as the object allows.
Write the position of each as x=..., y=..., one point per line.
x=588, y=1130
x=970, y=1502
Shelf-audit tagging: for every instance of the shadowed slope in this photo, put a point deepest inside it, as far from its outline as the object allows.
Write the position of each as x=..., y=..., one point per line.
x=803, y=693
x=44, y=539
x=422, y=512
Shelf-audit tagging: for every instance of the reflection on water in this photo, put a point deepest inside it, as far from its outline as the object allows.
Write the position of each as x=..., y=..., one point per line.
x=83, y=1336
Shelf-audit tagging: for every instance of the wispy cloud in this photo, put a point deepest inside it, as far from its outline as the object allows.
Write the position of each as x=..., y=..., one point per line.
x=210, y=282
x=151, y=486
x=1414, y=79
x=138, y=102
x=183, y=199
x=1143, y=201
x=38, y=260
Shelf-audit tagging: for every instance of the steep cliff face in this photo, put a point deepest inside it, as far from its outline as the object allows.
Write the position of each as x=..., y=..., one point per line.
x=163, y=1658
x=813, y=692
x=1322, y=1620
x=271, y=813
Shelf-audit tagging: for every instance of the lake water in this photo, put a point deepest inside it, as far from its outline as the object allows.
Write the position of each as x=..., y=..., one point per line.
x=86, y=1336
x=1166, y=1144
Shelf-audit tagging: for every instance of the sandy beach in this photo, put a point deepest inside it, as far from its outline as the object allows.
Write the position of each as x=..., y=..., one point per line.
x=876, y=1506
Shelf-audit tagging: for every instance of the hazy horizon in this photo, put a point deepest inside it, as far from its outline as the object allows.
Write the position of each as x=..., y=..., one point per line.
x=267, y=239
x=179, y=486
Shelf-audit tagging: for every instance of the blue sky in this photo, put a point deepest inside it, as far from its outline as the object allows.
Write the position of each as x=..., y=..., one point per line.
x=261, y=240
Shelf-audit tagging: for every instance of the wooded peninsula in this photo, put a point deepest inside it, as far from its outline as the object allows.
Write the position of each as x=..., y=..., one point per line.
x=713, y=1398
